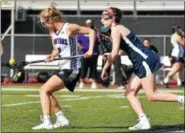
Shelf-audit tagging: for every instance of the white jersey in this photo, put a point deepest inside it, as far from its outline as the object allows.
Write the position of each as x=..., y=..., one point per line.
x=178, y=50
x=67, y=46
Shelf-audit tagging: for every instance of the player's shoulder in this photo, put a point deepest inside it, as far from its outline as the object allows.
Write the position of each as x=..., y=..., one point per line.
x=120, y=26
x=72, y=26
x=175, y=37
x=120, y=29
x=116, y=29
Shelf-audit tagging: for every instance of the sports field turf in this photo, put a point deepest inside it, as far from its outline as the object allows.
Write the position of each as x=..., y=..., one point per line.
x=88, y=111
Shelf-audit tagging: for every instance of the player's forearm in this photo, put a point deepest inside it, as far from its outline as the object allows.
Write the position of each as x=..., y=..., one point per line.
x=108, y=63
x=92, y=40
x=54, y=53
x=114, y=56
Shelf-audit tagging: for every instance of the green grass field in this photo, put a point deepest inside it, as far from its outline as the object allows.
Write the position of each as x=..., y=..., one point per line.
x=88, y=112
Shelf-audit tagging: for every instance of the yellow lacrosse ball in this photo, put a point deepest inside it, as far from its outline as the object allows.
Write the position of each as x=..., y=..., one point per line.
x=12, y=61
x=19, y=74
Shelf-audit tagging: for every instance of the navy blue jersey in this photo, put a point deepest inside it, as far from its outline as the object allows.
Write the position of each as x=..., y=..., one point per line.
x=144, y=60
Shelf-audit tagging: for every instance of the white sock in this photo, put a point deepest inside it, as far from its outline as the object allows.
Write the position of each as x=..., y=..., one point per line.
x=179, y=82
x=180, y=99
x=47, y=119
x=81, y=82
x=142, y=117
x=166, y=80
x=58, y=114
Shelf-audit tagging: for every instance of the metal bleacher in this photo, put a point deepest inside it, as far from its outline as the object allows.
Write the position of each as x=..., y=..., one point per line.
x=94, y=5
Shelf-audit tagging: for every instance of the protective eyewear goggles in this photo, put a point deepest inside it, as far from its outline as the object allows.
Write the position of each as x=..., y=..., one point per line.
x=106, y=16
x=44, y=23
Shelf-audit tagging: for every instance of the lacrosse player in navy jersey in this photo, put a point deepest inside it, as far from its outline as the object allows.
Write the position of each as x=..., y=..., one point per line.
x=145, y=64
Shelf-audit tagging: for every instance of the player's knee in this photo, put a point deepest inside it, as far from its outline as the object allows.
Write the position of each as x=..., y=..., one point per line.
x=129, y=95
x=151, y=97
x=44, y=90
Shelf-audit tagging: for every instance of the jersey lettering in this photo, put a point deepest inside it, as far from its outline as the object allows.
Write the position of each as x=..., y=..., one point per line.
x=60, y=41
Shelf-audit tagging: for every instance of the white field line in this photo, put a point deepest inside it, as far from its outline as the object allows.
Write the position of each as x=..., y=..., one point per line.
x=26, y=103
x=69, y=96
x=182, y=108
x=74, y=97
x=63, y=96
x=68, y=99
x=89, y=90
x=7, y=95
x=124, y=107
x=18, y=104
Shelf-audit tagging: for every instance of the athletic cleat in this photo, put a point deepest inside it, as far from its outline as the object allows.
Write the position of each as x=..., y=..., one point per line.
x=43, y=126
x=61, y=123
x=182, y=100
x=93, y=85
x=142, y=125
x=81, y=85
x=179, y=83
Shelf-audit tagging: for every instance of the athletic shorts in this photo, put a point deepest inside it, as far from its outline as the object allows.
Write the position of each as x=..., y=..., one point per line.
x=147, y=67
x=176, y=59
x=69, y=77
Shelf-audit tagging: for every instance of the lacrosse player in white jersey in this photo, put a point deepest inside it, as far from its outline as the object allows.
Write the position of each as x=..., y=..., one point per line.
x=63, y=36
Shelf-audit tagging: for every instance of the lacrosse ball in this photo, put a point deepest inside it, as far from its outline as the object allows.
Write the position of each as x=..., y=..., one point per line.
x=12, y=61
x=19, y=74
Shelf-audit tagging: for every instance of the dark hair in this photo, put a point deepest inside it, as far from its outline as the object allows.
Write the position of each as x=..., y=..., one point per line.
x=146, y=39
x=117, y=13
x=174, y=28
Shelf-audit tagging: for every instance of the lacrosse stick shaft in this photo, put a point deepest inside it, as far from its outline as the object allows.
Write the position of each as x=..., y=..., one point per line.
x=21, y=65
x=61, y=58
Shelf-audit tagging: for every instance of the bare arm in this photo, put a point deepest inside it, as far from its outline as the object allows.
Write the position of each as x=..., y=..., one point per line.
x=75, y=29
x=54, y=52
